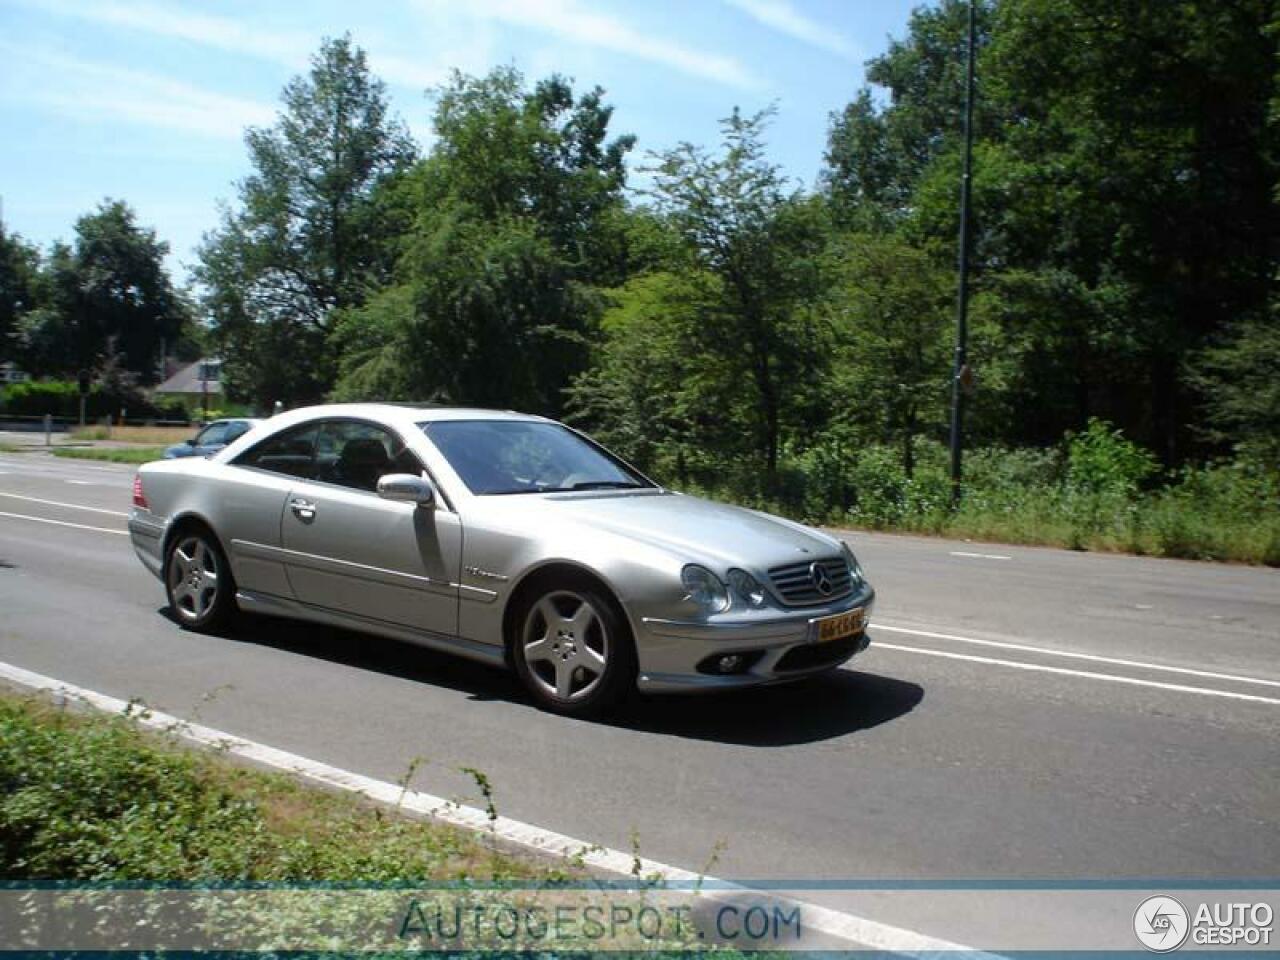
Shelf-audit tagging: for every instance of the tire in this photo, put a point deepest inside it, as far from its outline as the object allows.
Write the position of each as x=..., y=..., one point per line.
x=573, y=650
x=198, y=581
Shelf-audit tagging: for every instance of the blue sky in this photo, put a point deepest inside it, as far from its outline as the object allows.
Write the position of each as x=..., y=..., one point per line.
x=146, y=100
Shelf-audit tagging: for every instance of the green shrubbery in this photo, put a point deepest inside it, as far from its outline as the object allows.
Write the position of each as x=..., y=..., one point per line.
x=93, y=798
x=1098, y=491
x=61, y=398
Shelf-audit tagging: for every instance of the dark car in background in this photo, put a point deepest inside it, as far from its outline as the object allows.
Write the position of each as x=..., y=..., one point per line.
x=212, y=438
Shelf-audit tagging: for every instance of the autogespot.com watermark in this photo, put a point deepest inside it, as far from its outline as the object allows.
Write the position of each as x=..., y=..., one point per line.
x=1162, y=924
x=955, y=918
x=499, y=924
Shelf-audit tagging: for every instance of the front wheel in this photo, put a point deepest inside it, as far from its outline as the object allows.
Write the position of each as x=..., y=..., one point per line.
x=574, y=651
x=197, y=579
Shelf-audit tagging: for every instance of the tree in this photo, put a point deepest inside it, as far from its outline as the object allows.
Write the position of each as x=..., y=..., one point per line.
x=890, y=305
x=762, y=242
x=875, y=156
x=1239, y=380
x=107, y=300
x=1124, y=207
x=1143, y=161
x=19, y=270
x=515, y=223
x=309, y=237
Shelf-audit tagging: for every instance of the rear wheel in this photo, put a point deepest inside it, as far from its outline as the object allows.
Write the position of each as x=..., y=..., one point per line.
x=197, y=579
x=574, y=651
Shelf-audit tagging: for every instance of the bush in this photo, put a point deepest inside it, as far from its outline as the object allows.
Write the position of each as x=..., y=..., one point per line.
x=1090, y=494
x=61, y=398
x=1104, y=474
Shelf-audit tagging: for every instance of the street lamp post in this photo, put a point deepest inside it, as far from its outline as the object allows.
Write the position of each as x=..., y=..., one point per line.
x=960, y=374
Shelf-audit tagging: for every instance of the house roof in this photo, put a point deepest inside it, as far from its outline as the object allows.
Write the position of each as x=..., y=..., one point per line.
x=187, y=379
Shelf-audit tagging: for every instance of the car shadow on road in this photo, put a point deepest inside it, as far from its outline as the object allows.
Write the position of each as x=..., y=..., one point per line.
x=820, y=708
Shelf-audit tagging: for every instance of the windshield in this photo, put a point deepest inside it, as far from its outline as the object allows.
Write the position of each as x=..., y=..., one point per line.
x=522, y=456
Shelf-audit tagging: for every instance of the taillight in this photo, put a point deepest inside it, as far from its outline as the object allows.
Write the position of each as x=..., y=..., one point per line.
x=139, y=499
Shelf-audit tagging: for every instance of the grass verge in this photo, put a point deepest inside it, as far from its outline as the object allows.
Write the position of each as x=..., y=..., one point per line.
x=164, y=435
x=112, y=454
x=88, y=797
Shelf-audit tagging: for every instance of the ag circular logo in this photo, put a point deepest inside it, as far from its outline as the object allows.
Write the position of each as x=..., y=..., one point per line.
x=1161, y=923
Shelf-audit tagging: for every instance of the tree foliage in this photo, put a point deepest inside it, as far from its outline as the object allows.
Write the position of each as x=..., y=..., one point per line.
x=105, y=302
x=309, y=236
x=516, y=220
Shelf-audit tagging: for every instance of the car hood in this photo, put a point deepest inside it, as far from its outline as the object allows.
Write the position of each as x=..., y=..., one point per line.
x=696, y=528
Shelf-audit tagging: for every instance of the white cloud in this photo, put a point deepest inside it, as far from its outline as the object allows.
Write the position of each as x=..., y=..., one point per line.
x=178, y=23
x=780, y=15
x=290, y=49
x=574, y=21
x=100, y=92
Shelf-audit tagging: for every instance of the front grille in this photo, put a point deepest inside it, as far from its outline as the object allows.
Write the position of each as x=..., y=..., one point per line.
x=795, y=584
x=814, y=655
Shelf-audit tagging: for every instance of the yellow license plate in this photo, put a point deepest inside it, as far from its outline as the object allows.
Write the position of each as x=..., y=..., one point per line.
x=842, y=625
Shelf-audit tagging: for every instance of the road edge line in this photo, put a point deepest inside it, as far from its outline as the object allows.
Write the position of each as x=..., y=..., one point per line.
x=1077, y=655
x=1088, y=674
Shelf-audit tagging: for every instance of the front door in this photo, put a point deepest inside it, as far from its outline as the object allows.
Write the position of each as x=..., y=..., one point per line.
x=348, y=550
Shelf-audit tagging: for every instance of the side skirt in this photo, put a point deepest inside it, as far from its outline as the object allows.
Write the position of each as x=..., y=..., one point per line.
x=272, y=606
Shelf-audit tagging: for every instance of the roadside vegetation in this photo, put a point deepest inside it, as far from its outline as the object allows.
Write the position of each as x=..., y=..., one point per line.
x=94, y=798
x=731, y=330
x=1097, y=492
x=132, y=434
x=111, y=454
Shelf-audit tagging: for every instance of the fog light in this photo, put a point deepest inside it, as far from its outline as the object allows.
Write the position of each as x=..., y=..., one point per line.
x=729, y=664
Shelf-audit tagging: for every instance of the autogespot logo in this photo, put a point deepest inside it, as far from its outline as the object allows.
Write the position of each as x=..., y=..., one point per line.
x=1161, y=923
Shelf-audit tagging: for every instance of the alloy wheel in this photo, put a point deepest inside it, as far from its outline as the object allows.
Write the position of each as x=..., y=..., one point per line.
x=566, y=646
x=193, y=578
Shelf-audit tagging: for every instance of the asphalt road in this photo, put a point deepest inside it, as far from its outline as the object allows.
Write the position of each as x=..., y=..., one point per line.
x=1022, y=714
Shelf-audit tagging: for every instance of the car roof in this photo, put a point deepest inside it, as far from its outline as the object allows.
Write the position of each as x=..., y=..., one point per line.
x=402, y=414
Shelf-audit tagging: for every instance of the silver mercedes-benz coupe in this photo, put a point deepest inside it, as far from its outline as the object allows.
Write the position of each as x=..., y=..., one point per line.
x=510, y=539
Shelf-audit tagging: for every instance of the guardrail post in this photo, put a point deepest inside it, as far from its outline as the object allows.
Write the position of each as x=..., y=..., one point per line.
x=48, y=429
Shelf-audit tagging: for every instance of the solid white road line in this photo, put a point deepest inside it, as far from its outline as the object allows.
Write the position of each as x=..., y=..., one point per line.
x=845, y=926
x=980, y=556
x=60, y=503
x=1063, y=671
x=65, y=465
x=63, y=523
x=1092, y=657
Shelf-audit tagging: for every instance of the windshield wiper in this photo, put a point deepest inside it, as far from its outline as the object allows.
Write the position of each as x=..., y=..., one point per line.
x=604, y=485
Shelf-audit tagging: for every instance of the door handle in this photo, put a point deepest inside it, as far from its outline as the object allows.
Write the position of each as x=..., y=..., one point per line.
x=303, y=509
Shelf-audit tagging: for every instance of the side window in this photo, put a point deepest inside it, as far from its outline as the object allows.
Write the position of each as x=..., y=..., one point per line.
x=213, y=433
x=354, y=454
x=292, y=453
x=235, y=431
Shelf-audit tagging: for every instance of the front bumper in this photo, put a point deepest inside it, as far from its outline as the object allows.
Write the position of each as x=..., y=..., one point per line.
x=778, y=645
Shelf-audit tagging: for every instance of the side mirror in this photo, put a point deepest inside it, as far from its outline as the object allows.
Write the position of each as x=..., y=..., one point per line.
x=406, y=488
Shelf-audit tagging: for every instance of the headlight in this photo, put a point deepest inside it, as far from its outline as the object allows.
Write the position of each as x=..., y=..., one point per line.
x=747, y=587
x=704, y=588
x=855, y=569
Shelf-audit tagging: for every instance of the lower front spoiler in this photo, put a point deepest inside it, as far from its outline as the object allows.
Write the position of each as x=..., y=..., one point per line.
x=764, y=673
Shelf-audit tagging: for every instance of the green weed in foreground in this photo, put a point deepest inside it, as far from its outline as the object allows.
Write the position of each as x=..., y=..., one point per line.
x=86, y=797
x=112, y=454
